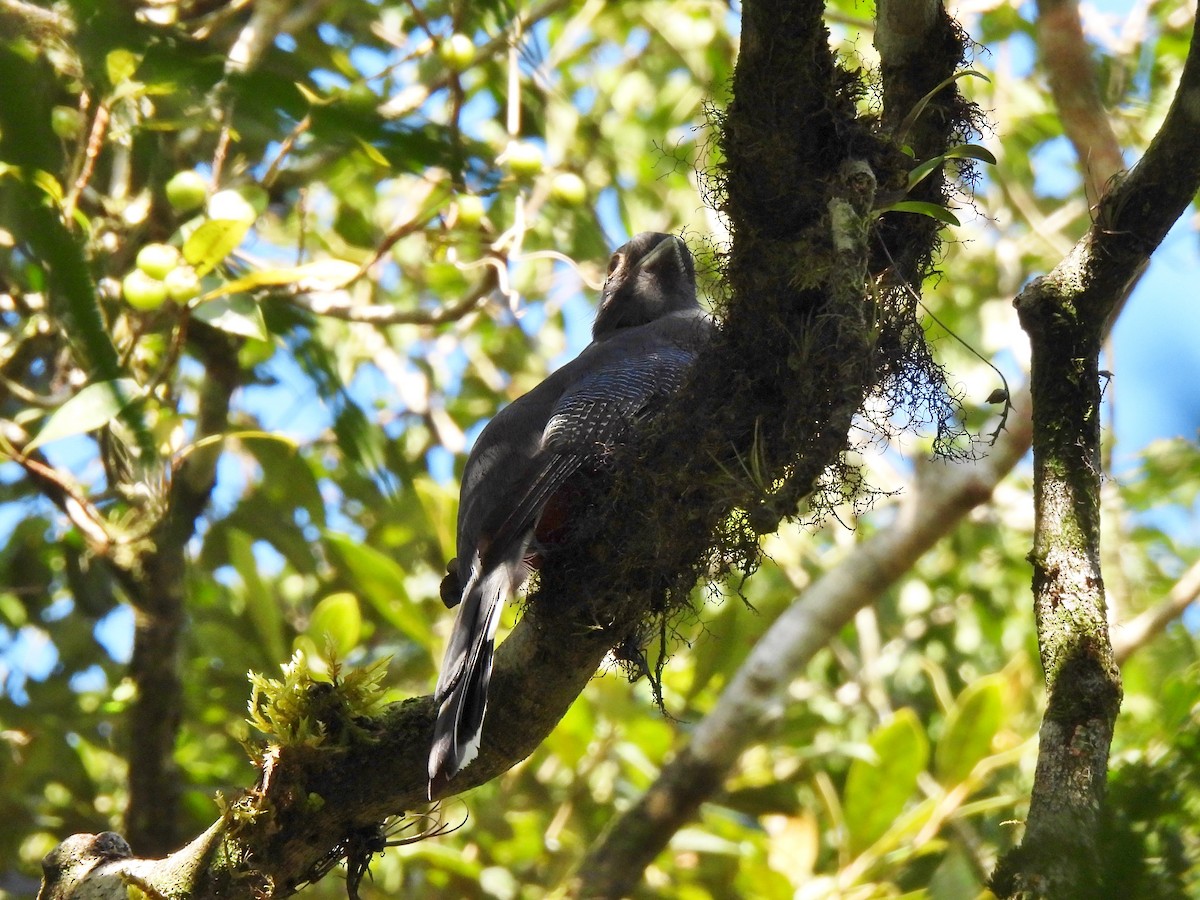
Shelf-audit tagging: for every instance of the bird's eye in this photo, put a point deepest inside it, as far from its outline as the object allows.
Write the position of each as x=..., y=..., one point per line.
x=615, y=263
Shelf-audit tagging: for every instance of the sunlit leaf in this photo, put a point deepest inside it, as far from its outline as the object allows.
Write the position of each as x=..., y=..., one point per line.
x=920, y=172
x=238, y=315
x=93, y=407
x=262, y=607
x=971, y=726
x=338, y=619
x=972, y=151
x=323, y=275
x=381, y=583
x=876, y=792
x=214, y=240
x=922, y=208
x=119, y=65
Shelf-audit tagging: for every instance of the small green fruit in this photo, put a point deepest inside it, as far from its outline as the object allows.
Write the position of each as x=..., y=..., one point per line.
x=182, y=284
x=523, y=159
x=457, y=51
x=187, y=191
x=470, y=210
x=143, y=292
x=230, y=205
x=66, y=121
x=568, y=188
x=156, y=260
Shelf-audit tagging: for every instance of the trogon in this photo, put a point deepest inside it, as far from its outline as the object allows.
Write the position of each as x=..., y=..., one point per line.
x=648, y=332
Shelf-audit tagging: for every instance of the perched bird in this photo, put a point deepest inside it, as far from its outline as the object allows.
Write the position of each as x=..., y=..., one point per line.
x=647, y=333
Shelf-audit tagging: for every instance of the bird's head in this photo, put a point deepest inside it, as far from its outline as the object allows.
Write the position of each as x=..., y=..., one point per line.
x=649, y=277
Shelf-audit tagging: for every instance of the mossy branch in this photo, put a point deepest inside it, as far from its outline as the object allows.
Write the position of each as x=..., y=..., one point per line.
x=1065, y=314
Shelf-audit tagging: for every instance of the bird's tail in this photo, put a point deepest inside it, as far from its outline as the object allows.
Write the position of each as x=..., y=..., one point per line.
x=461, y=692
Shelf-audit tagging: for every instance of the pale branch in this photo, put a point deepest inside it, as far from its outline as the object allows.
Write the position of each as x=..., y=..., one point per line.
x=337, y=305
x=269, y=19
x=61, y=490
x=1130, y=636
x=1065, y=314
x=1074, y=85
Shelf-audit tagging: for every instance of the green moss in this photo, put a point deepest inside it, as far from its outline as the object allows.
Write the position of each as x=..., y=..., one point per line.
x=313, y=709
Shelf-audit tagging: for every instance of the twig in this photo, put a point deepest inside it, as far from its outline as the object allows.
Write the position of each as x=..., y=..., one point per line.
x=64, y=494
x=1075, y=87
x=1134, y=634
x=94, y=145
x=336, y=307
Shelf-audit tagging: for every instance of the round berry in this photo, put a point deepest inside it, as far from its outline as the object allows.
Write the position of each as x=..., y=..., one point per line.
x=568, y=188
x=187, y=191
x=457, y=51
x=470, y=210
x=156, y=260
x=230, y=205
x=143, y=292
x=66, y=121
x=182, y=284
x=524, y=159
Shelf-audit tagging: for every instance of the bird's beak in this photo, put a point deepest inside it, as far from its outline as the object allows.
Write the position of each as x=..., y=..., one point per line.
x=663, y=254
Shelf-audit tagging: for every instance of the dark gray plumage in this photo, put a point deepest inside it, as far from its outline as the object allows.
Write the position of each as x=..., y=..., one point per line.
x=647, y=333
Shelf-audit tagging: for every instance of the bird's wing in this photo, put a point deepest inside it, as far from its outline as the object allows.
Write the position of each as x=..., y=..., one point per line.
x=596, y=412
x=588, y=421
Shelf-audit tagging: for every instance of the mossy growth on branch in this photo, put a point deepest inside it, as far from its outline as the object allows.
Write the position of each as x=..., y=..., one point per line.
x=311, y=708
x=819, y=337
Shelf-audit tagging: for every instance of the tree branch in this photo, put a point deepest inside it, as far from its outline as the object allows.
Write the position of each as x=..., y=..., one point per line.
x=1074, y=84
x=782, y=379
x=755, y=128
x=932, y=508
x=158, y=595
x=1066, y=313
x=1134, y=634
x=337, y=306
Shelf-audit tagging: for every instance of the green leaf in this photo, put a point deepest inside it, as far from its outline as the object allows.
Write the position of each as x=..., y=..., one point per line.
x=323, y=275
x=963, y=151
x=972, y=151
x=214, y=240
x=921, y=171
x=876, y=792
x=338, y=619
x=922, y=208
x=971, y=726
x=919, y=106
x=93, y=407
x=238, y=315
x=262, y=607
x=120, y=64
x=381, y=583
x=441, y=512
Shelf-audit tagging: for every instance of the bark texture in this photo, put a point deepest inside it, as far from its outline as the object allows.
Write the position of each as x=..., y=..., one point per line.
x=155, y=583
x=786, y=118
x=1065, y=314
